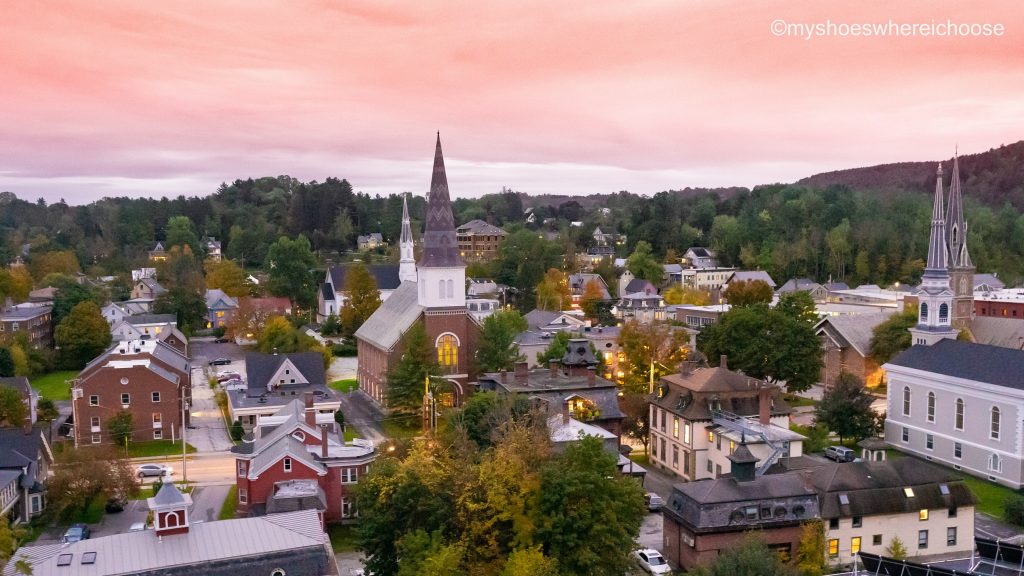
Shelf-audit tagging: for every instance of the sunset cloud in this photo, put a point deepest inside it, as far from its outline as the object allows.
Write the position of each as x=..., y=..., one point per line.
x=123, y=98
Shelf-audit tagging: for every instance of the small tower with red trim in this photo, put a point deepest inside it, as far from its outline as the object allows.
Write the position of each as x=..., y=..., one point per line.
x=170, y=510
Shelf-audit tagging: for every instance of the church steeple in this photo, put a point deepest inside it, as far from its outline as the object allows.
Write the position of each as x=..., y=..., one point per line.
x=407, y=263
x=440, y=247
x=441, y=272
x=935, y=299
x=961, y=269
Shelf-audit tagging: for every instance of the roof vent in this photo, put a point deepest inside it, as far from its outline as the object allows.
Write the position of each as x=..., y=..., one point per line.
x=89, y=558
x=64, y=559
x=908, y=492
x=944, y=489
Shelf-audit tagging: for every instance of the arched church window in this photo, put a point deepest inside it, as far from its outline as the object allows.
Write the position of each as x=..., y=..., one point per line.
x=440, y=289
x=958, y=422
x=943, y=313
x=906, y=400
x=931, y=407
x=954, y=234
x=924, y=313
x=448, y=352
x=994, y=433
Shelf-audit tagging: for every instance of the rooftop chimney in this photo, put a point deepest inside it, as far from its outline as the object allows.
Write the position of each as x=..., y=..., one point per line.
x=310, y=410
x=504, y=376
x=522, y=373
x=565, y=412
x=764, y=405
x=323, y=441
x=591, y=375
x=723, y=362
x=554, y=365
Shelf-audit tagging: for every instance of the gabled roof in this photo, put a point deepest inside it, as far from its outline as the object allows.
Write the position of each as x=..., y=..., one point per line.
x=853, y=330
x=799, y=284
x=480, y=227
x=18, y=449
x=216, y=295
x=1004, y=332
x=966, y=360
x=639, y=285
x=385, y=327
x=386, y=276
x=741, y=275
x=169, y=497
x=700, y=252
x=286, y=446
x=988, y=280
x=260, y=368
x=578, y=283
x=140, y=319
x=19, y=383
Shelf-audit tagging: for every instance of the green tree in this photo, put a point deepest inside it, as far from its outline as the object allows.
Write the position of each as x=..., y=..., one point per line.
x=422, y=554
x=406, y=380
x=893, y=336
x=553, y=291
x=642, y=263
x=13, y=410
x=556, y=349
x=845, y=408
x=587, y=514
x=278, y=336
x=798, y=304
x=331, y=326
x=530, y=562
x=896, y=549
x=182, y=232
x=237, y=431
x=810, y=553
x=120, y=426
x=6, y=363
x=752, y=557
x=637, y=422
x=656, y=346
x=82, y=336
x=523, y=258
x=363, y=298
x=82, y=475
x=765, y=344
x=748, y=293
x=482, y=416
x=187, y=305
x=11, y=537
x=46, y=410
x=69, y=294
x=498, y=349
x=289, y=264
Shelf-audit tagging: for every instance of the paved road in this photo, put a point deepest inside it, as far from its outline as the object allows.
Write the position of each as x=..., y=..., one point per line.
x=208, y=468
x=360, y=411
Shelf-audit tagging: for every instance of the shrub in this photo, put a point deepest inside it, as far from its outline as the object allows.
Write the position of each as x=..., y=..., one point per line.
x=344, y=349
x=237, y=431
x=1013, y=510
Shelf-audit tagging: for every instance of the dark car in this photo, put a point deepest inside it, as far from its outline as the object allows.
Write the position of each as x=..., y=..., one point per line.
x=222, y=341
x=114, y=506
x=220, y=362
x=76, y=533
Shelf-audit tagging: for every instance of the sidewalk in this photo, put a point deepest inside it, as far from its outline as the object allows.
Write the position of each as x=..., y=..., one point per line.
x=208, y=433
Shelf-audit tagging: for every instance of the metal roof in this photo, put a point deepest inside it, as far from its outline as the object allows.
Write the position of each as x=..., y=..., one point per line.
x=385, y=327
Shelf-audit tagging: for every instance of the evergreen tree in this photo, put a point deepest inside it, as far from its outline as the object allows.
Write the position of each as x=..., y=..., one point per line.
x=6, y=363
x=406, y=381
x=120, y=427
x=182, y=232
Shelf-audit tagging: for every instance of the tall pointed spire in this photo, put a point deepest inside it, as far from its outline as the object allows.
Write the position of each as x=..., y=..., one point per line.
x=956, y=226
x=440, y=247
x=407, y=263
x=937, y=250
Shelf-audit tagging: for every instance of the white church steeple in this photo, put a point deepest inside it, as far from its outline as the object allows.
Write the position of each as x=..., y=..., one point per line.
x=935, y=298
x=407, y=263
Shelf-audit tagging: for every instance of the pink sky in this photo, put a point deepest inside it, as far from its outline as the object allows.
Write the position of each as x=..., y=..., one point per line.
x=107, y=97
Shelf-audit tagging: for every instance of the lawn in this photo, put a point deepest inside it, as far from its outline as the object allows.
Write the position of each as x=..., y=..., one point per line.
x=54, y=385
x=350, y=434
x=399, y=428
x=343, y=537
x=796, y=401
x=227, y=510
x=151, y=448
x=990, y=495
x=640, y=458
x=346, y=385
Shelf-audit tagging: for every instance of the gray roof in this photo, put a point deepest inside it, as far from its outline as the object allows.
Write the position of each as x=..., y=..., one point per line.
x=852, y=329
x=19, y=383
x=578, y=283
x=216, y=294
x=138, y=319
x=988, y=280
x=538, y=318
x=8, y=477
x=386, y=276
x=639, y=285
x=1004, y=332
x=833, y=286
x=260, y=368
x=966, y=360
x=169, y=495
x=480, y=227
x=385, y=327
x=24, y=312
x=798, y=284
x=440, y=245
x=746, y=275
x=241, y=541
x=555, y=390
x=284, y=446
x=701, y=252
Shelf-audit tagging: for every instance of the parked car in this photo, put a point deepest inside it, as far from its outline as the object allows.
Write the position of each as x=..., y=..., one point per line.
x=228, y=376
x=840, y=454
x=138, y=527
x=652, y=561
x=654, y=502
x=222, y=340
x=114, y=506
x=154, y=470
x=220, y=362
x=76, y=533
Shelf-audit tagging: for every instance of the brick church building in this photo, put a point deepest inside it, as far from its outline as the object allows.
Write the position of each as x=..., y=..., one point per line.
x=432, y=292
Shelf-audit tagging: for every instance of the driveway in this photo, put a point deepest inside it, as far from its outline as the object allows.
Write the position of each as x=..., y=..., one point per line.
x=360, y=411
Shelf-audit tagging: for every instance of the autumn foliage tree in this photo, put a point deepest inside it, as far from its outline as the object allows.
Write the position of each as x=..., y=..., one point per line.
x=227, y=276
x=679, y=294
x=748, y=293
x=646, y=346
x=593, y=295
x=553, y=291
x=84, y=474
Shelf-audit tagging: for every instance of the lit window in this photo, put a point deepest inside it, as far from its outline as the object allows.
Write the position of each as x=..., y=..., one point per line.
x=711, y=436
x=855, y=545
x=922, y=515
x=447, y=351
x=675, y=427
x=686, y=433
x=908, y=492
x=833, y=547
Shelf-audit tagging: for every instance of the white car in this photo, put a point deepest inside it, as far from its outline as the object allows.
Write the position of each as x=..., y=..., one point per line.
x=652, y=561
x=160, y=470
x=138, y=527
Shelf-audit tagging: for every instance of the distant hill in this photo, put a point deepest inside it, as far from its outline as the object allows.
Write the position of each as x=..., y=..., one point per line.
x=993, y=178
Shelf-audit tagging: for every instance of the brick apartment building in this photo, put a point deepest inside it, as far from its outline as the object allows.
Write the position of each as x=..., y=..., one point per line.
x=294, y=463
x=34, y=320
x=148, y=378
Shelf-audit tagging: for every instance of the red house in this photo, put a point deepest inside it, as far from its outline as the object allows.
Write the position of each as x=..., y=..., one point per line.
x=294, y=464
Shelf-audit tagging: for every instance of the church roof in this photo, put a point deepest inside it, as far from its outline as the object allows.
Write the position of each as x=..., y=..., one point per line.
x=385, y=327
x=440, y=246
x=1003, y=332
x=853, y=330
x=966, y=360
x=385, y=275
x=406, y=228
x=938, y=256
